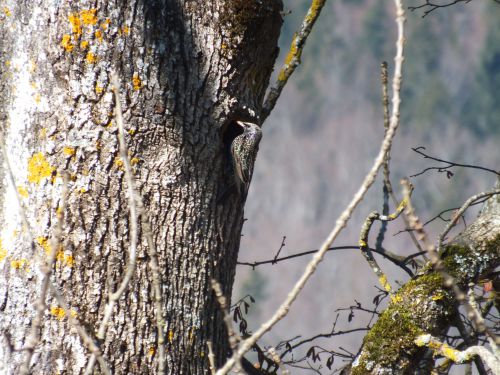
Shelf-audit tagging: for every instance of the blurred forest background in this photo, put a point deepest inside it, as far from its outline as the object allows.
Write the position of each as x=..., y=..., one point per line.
x=324, y=134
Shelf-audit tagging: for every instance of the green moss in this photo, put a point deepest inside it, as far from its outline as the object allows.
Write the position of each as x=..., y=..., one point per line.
x=394, y=333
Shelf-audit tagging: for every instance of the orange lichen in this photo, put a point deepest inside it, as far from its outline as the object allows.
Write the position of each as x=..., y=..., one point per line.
x=136, y=82
x=84, y=45
x=58, y=312
x=39, y=168
x=66, y=43
x=125, y=30
x=76, y=24
x=88, y=17
x=105, y=24
x=98, y=35
x=151, y=351
x=91, y=58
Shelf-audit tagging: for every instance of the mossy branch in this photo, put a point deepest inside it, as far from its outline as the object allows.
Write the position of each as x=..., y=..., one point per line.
x=292, y=59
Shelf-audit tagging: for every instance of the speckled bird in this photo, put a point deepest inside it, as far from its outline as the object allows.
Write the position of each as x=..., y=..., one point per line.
x=243, y=152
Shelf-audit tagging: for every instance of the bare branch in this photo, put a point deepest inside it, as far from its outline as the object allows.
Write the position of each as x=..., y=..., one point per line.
x=346, y=214
x=34, y=337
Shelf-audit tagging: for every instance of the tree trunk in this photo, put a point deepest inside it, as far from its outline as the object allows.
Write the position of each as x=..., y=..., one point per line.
x=188, y=70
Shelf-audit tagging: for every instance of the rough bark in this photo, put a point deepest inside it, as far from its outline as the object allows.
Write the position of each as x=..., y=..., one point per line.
x=424, y=305
x=188, y=69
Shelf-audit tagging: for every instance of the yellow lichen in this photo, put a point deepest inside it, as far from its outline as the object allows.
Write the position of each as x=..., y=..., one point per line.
x=125, y=30
x=61, y=258
x=39, y=168
x=105, y=24
x=293, y=54
x=69, y=151
x=118, y=162
x=76, y=24
x=170, y=336
x=151, y=351
x=43, y=133
x=131, y=131
x=88, y=16
x=19, y=263
x=136, y=82
x=362, y=243
x=98, y=89
x=383, y=281
x=98, y=35
x=396, y=298
x=66, y=260
x=23, y=192
x=91, y=58
x=84, y=44
x=7, y=11
x=82, y=190
x=37, y=98
x=3, y=251
x=134, y=161
x=66, y=43
x=437, y=297
x=58, y=312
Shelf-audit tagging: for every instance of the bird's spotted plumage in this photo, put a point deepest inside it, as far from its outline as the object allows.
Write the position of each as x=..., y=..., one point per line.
x=243, y=152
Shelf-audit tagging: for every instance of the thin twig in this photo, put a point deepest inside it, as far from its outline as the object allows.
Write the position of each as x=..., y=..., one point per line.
x=446, y=168
x=211, y=357
x=346, y=214
x=87, y=339
x=129, y=273
x=292, y=59
x=46, y=269
x=398, y=260
x=234, y=338
x=155, y=270
x=363, y=242
x=433, y=6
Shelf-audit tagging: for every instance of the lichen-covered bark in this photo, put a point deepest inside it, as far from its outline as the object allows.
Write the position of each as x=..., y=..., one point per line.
x=187, y=69
x=424, y=306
